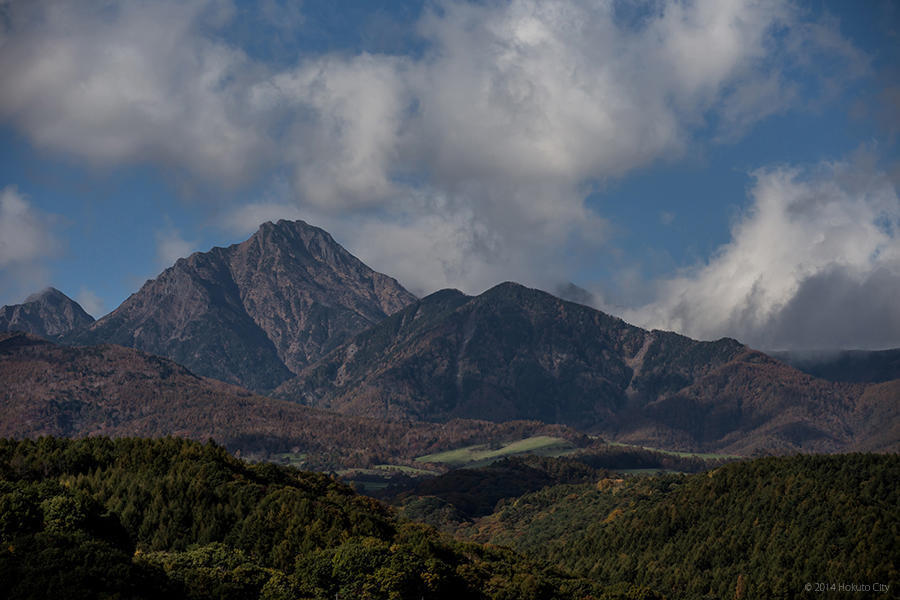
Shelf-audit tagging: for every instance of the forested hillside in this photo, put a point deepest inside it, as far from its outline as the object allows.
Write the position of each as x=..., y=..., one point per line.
x=754, y=529
x=172, y=518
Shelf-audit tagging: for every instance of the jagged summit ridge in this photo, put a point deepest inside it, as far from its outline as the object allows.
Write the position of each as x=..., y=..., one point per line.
x=257, y=311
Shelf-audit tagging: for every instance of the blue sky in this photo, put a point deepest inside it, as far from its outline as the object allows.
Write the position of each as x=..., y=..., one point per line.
x=711, y=167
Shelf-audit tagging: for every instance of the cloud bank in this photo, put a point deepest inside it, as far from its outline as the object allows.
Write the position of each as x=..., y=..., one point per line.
x=128, y=82
x=460, y=166
x=27, y=240
x=813, y=264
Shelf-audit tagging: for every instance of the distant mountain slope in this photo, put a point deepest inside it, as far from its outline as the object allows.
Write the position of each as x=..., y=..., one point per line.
x=49, y=314
x=112, y=390
x=498, y=355
x=860, y=366
x=757, y=404
x=518, y=353
x=48, y=389
x=254, y=312
x=878, y=407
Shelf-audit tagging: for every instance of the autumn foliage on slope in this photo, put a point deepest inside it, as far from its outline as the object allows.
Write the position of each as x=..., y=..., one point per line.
x=111, y=390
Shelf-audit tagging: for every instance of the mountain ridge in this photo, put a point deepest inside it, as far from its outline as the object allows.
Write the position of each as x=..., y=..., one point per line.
x=255, y=312
x=292, y=313
x=514, y=353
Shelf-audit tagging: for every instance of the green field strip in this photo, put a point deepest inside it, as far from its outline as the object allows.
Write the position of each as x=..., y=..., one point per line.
x=482, y=454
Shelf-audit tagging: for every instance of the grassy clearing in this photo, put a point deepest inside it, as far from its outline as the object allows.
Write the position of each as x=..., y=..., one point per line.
x=701, y=455
x=482, y=454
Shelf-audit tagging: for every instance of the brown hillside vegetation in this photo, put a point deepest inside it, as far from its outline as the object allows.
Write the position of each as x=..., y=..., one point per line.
x=115, y=391
x=758, y=404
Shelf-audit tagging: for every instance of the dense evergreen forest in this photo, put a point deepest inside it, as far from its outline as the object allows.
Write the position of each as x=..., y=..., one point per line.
x=137, y=518
x=753, y=529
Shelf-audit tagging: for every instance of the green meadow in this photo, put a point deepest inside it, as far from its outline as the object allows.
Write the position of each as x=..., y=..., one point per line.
x=483, y=454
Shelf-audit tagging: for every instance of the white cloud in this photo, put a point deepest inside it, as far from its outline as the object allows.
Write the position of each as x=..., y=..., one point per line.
x=514, y=108
x=90, y=302
x=27, y=240
x=343, y=144
x=564, y=90
x=463, y=166
x=25, y=233
x=429, y=239
x=814, y=263
x=170, y=246
x=131, y=81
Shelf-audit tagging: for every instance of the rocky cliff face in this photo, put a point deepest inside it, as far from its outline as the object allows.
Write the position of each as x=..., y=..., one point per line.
x=517, y=353
x=50, y=314
x=509, y=352
x=307, y=292
x=255, y=312
x=291, y=309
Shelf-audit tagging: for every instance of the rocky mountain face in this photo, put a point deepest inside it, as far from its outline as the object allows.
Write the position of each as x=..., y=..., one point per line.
x=292, y=311
x=508, y=352
x=517, y=353
x=50, y=314
x=256, y=312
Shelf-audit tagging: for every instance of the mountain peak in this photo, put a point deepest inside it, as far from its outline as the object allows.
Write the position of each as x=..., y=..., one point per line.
x=510, y=291
x=47, y=294
x=507, y=286
x=298, y=227
x=292, y=224
x=304, y=242
x=48, y=313
x=511, y=288
x=444, y=294
x=257, y=311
